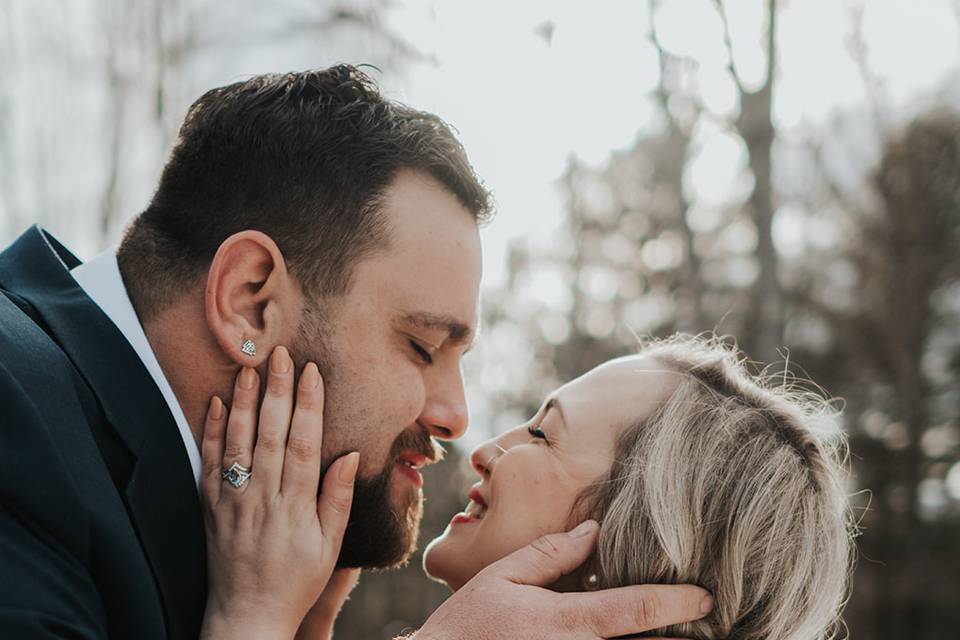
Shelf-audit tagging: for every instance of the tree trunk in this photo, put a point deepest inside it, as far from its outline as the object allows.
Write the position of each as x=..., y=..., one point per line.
x=755, y=126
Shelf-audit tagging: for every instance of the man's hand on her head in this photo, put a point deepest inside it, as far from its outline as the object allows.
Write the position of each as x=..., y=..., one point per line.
x=508, y=599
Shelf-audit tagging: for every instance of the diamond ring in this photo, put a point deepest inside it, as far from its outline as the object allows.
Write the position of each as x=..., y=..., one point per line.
x=237, y=475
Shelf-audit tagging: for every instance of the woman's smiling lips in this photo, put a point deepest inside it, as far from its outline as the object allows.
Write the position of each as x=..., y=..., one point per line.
x=475, y=510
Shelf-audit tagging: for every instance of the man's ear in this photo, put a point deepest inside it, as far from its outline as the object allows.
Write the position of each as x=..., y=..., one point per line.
x=249, y=293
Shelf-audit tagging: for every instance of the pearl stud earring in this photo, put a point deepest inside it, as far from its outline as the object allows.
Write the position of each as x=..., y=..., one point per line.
x=249, y=348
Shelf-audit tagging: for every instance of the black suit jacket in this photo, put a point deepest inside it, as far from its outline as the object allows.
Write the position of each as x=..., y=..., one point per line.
x=100, y=526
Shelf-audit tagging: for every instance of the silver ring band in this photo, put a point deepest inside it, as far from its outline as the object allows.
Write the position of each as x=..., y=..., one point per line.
x=237, y=475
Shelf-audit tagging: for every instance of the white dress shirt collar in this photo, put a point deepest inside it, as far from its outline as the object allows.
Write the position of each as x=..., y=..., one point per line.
x=100, y=279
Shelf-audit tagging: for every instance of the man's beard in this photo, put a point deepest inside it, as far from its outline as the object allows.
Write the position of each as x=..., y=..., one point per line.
x=379, y=534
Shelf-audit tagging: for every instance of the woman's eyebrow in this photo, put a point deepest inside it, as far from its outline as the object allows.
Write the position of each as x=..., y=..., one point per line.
x=554, y=403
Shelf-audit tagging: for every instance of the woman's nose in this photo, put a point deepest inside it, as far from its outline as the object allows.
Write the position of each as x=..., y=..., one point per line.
x=484, y=457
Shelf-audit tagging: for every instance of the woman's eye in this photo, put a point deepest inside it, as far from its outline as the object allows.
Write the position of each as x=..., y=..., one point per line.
x=421, y=352
x=537, y=433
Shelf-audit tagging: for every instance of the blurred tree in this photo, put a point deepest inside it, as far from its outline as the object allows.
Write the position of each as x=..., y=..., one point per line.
x=894, y=346
x=754, y=125
x=874, y=320
x=863, y=291
x=639, y=255
x=93, y=94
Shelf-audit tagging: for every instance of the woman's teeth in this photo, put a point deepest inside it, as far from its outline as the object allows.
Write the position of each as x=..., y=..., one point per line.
x=475, y=510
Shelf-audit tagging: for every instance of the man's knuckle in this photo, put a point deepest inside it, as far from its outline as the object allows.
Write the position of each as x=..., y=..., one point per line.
x=598, y=615
x=546, y=546
x=646, y=612
x=570, y=618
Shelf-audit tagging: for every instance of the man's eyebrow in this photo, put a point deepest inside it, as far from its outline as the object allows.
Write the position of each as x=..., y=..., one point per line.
x=554, y=403
x=457, y=332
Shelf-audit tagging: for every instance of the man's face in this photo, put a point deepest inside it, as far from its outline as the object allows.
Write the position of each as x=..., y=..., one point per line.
x=390, y=356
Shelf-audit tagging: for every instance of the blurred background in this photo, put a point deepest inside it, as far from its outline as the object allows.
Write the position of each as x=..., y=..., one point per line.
x=782, y=171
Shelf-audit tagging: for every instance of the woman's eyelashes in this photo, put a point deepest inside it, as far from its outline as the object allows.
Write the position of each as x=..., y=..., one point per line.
x=422, y=353
x=537, y=433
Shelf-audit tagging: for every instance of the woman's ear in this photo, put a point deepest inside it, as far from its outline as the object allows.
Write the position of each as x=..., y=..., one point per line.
x=249, y=295
x=587, y=574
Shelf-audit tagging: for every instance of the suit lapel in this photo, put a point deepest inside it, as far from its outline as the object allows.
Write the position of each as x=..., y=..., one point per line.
x=161, y=495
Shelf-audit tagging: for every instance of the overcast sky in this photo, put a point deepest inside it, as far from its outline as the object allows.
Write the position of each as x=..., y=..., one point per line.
x=527, y=84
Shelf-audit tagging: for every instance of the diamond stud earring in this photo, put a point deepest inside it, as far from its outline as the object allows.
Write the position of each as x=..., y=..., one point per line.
x=249, y=348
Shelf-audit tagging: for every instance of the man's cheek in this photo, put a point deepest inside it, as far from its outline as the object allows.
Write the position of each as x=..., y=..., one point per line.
x=413, y=396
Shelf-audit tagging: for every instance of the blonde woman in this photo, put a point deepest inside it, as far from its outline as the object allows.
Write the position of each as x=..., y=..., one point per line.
x=698, y=473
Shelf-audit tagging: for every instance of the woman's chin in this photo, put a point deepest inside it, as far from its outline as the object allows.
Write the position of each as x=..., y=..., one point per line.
x=439, y=564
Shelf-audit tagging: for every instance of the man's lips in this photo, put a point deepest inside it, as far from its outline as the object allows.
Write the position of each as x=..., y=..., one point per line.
x=414, y=460
x=409, y=465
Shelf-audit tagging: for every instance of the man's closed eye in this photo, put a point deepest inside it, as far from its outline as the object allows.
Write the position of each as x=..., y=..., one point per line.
x=422, y=353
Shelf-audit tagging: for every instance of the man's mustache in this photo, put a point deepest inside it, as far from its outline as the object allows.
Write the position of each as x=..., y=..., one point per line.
x=418, y=442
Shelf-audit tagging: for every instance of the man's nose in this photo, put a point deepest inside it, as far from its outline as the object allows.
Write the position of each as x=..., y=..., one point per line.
x=445, y=413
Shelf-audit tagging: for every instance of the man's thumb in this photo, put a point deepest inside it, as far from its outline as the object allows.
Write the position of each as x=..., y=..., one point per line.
x=543, y=561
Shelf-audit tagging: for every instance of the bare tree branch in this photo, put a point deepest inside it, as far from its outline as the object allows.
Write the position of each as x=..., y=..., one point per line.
x=873, y=84
x=771, y=42
x=835, y=191
x=728, y=43
x=662, y=93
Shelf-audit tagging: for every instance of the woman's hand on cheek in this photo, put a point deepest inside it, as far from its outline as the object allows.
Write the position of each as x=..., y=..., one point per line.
x=510, y=599
x=272, y=541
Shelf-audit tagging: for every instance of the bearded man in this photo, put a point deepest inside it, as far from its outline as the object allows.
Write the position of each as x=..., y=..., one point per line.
x=301, y=209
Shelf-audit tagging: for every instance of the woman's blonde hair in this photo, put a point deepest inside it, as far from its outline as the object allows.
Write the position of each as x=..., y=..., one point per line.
x=732, y=484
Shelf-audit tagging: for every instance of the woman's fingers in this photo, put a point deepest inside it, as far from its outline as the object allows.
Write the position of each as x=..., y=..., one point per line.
x=301, y=464
x=333, y=506
x=211, y=450
x=274, y=423
x=242, y=423
x=269, y=547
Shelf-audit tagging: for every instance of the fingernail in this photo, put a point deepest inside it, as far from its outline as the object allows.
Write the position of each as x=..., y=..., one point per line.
x=280, y=360
x=706, y=605
x=216, y=408
x=310, y=378
x=584, y=529
x=348, y=469
x=248, y=378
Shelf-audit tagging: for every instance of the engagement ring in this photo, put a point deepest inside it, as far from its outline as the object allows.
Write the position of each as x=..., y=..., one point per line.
x=237, y=475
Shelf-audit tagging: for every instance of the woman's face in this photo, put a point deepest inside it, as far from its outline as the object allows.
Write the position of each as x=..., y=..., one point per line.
x=530, y=477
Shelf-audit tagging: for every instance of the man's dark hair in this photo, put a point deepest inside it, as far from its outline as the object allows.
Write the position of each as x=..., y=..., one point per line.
x=303, y=157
